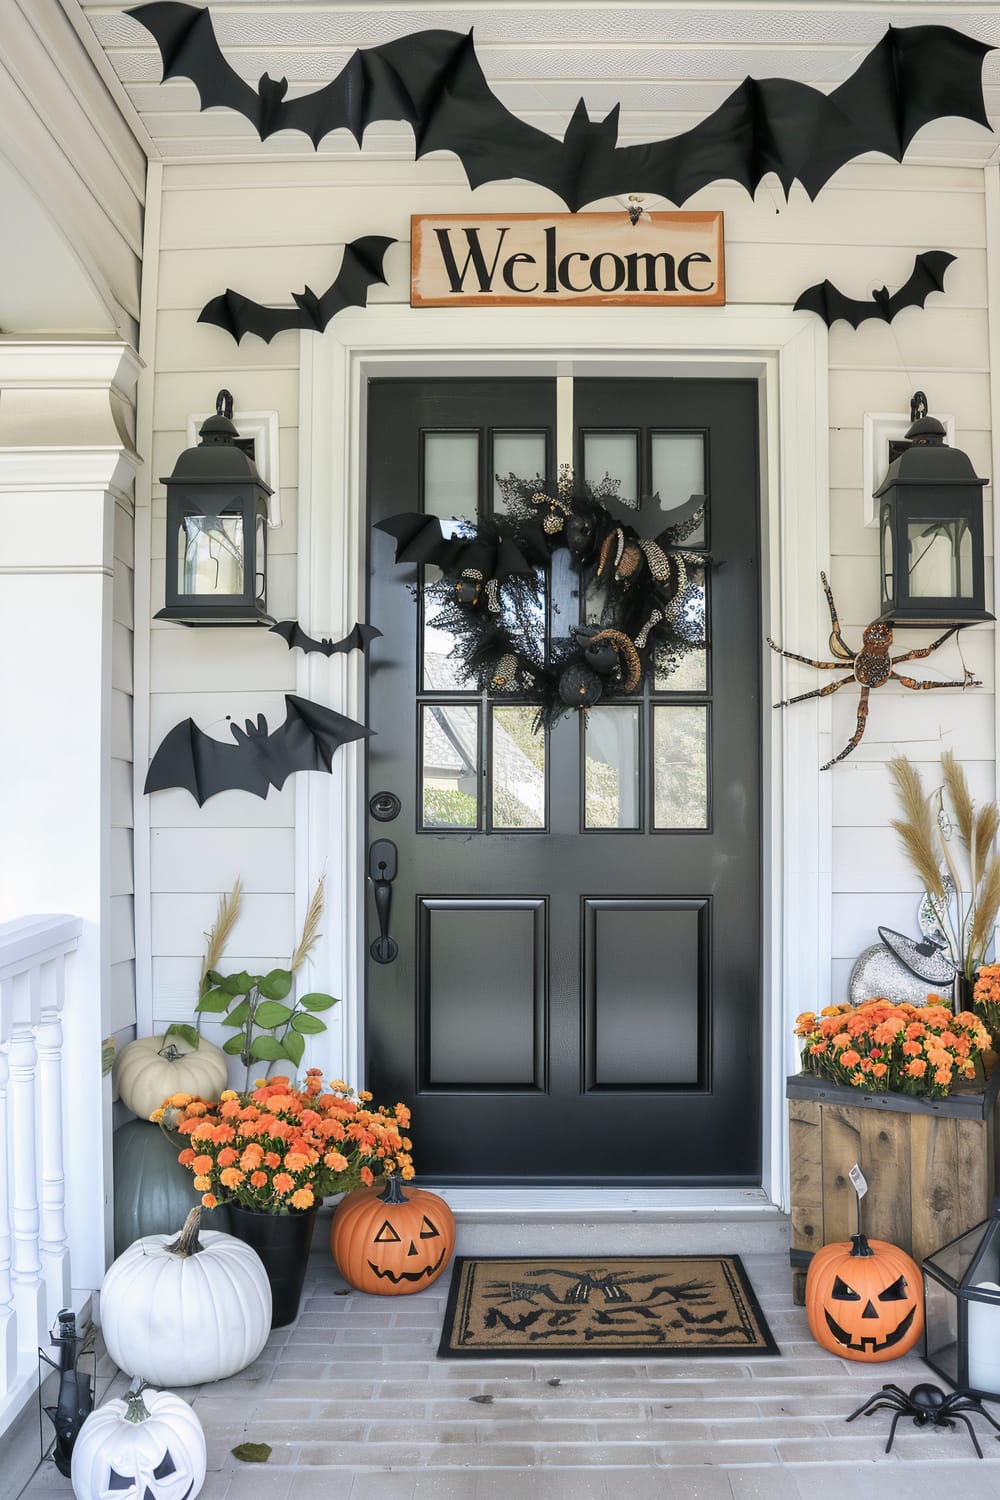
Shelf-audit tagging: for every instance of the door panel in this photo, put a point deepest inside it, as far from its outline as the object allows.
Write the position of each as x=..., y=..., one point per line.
x=576, y=995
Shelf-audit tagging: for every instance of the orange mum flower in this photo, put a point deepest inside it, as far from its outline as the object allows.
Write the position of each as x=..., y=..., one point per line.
x=283, y=1183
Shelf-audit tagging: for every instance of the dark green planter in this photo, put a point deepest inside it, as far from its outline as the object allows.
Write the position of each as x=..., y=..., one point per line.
x=153, y=1192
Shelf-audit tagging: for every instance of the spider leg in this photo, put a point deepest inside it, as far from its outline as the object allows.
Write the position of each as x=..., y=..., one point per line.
x=962, y=1402
x=893, y=1399
x=823, y=692
x=855, y=739
x=892, y=1430
x=926, y=650
x=911, y=682
x=838, y=645
x=826, y=666
x=960, y=1417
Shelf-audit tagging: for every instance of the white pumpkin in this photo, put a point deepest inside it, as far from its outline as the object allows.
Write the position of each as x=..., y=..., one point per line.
x=149, y=1446
x=188, y=1310
x=150, y=1069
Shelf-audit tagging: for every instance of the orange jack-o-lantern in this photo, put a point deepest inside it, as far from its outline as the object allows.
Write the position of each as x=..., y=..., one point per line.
x=864, y=1299
x=390, y=1242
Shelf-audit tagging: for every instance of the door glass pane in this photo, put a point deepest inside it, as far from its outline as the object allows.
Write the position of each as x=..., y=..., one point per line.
x=680, y=766
x=520, y=453
x=614, y=453
x=517, y=772
x=611, y=749
x=688, y=671
x=441, y=671
x=678, y=472
x=451, y=474
x=449, y=765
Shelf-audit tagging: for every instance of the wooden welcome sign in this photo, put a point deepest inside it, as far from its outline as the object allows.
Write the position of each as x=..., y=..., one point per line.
x=518, y=260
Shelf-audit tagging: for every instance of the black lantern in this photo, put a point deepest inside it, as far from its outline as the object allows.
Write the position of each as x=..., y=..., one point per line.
x=962, y=1309
x=931, y=525
x=216, y=530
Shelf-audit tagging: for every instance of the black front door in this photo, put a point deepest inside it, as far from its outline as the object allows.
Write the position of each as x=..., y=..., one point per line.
x=576, y=995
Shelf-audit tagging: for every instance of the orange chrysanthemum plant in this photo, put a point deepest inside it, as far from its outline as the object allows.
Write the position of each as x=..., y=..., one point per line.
x=902, y=1049
x=278, y=1149
x=986, y=999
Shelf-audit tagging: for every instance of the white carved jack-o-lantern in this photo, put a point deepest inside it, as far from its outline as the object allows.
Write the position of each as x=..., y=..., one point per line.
x=149, y=1446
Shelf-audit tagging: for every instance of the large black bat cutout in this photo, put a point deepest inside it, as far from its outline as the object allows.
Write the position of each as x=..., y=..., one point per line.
x=419, y=539
x=294, y=636
x=830, y=303
x=306, y=741
x=432, y=80
x=360, y=268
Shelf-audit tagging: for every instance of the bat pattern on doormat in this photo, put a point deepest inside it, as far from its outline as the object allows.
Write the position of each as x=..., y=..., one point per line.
x=433, y=81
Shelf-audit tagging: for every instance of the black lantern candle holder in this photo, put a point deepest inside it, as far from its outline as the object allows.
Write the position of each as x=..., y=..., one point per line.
x=962, y=1309
x=216, y=570
x=931, y=530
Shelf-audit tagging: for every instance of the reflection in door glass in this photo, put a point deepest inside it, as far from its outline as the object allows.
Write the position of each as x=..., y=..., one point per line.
x=520, y=453
x=614, y=453
x=517, y=770
x=680, y=766
x=685, y=674
x=678, y=472
x=611, y=749
x=441, y=671
x=449, y=765
x=451, y=474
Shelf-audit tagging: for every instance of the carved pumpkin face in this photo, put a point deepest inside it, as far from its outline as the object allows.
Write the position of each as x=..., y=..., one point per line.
x=864, y=1300
x=148, y=1447
x=386, y=1242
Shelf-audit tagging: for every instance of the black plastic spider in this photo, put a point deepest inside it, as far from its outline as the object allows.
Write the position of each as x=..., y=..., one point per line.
x=927, y=1405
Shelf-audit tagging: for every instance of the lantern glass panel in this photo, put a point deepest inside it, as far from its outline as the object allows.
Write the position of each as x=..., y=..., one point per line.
x=954, y=1260
x=941, y=1325
x=940, y=558
x=210, y=555
x=888, y=579
x=260, y=554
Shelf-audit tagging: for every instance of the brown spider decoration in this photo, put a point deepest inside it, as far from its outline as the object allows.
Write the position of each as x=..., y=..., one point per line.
x=870, y=668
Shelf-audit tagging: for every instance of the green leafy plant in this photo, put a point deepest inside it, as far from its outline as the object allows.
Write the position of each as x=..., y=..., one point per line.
x=268, y=1027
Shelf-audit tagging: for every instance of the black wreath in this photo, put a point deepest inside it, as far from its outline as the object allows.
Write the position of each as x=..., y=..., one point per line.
x=493, y=583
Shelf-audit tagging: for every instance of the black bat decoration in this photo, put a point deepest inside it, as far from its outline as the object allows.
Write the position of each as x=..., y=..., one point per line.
x=306, y=741
x=360, y=269
x=432, y=80
x=294, y=636
x=830, y=303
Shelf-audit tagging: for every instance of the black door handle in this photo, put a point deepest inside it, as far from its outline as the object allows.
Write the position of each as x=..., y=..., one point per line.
x=382, y=864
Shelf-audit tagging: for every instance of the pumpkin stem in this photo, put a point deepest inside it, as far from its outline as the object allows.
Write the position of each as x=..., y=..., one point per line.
x=170, y=1053
x=188, y=1243
x=861, y=1245
x=393, y=1190
x=136, y=1409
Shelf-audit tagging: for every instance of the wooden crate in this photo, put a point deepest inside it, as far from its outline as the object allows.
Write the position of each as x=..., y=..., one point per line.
x=930, y=1166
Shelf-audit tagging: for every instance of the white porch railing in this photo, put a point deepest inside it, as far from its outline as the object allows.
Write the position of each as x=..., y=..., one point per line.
x=35, y=956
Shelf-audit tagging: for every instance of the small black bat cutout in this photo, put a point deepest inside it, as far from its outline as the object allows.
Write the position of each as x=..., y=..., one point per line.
x=361, y=268
x=432, y=80
x=830, y=303
x=306, y=741
x=294, y=636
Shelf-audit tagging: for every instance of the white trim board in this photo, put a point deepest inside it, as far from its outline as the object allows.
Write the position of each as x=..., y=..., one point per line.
x=787, y=354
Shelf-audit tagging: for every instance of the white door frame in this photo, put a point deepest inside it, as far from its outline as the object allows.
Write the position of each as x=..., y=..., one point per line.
x=786, y=352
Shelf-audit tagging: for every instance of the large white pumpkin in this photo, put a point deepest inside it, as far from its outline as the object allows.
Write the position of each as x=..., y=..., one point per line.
x=148, y=1447
x=185, y=1311
x=150, y=1069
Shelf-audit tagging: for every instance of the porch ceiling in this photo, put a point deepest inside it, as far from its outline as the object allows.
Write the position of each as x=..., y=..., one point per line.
x=668, y=64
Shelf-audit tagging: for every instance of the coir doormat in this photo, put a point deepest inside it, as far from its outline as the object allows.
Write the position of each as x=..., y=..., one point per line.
x=530, y=1307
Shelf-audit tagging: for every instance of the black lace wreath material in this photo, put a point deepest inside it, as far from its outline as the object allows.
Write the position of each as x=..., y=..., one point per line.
x=495, y=578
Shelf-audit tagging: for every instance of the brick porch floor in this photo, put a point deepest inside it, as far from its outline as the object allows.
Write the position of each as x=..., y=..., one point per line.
x=356, y=1406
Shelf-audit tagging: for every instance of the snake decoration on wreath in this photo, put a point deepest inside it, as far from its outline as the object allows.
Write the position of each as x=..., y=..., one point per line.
x=494, y=578
x=871, y=667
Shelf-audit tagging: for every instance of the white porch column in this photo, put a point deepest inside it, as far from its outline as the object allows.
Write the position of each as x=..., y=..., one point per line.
x=66, y=458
